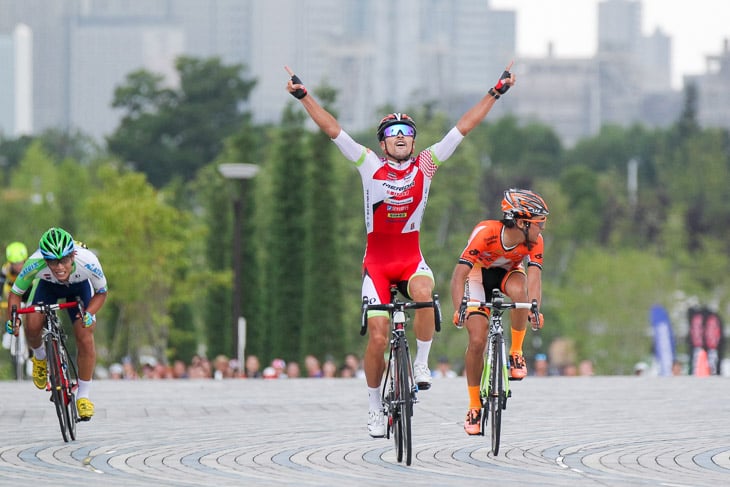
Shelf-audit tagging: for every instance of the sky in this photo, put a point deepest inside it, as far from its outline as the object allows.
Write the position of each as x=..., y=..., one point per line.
x=697, y=28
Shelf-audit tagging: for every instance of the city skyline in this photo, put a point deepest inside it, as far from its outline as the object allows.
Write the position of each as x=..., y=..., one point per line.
x=696, y=32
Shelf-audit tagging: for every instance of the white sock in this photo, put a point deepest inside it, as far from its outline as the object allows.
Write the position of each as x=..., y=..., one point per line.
x=374, y=399
x=40, y=353
x=84, y=386
x=422, y=351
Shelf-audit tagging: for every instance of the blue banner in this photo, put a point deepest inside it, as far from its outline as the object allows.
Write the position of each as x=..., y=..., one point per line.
x=663, y=339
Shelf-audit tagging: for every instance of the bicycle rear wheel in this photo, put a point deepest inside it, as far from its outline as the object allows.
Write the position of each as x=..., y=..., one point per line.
x=405, y=402
x=496, y=392
x=55, y=376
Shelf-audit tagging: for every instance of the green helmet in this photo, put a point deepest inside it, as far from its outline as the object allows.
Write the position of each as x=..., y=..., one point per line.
x=56, y=243
x=16, y=252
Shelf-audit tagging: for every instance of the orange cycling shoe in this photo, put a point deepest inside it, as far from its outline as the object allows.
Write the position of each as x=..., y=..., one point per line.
x=473, y=422
x=517, y=367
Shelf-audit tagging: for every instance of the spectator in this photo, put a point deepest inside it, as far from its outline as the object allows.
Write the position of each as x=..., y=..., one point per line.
x=293, y=371
x=252, y=367
x=585, y=367
x=314, y=369
x=222, y=369
x=116, y=371
x=542, y=367
x=269, y=373
x=129, y=371
x=329, y=368
x=444, y=370
x=279, y=366
x=353, y=362
x=179, y=370
x=197, y=368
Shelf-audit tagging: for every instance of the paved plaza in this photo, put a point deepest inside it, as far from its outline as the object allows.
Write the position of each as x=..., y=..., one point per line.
x=557, y=431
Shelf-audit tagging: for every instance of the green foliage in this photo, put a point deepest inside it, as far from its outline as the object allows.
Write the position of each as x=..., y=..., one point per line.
x=168, y=133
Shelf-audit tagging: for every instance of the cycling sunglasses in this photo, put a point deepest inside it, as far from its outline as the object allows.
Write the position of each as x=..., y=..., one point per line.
x=539, y=223
x=401, y=128
x=63, y=260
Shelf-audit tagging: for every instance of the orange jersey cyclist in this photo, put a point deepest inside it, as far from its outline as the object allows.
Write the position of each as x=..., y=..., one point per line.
x=495, y=257
x=395, y=190
x=65, y=270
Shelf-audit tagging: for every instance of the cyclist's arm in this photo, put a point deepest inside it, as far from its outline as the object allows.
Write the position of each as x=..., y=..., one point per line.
x=324, y=119
x=458, y=279
x=96, y=302
x=534, y=283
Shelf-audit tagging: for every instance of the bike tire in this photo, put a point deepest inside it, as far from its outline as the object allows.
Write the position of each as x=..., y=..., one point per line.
x=406, y=401
x=68, y=394
x=395, y=409
x=56, y=379
x=495, y=395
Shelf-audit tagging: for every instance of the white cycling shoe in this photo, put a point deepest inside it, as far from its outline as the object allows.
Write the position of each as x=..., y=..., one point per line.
x=422, y=376
x=376, y=423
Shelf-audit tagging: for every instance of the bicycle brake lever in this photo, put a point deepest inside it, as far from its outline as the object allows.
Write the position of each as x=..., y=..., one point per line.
x=437, y=312
x=535, y=316
x=364, y=317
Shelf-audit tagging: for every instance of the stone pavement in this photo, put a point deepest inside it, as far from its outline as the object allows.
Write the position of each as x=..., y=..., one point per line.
x=557, y=431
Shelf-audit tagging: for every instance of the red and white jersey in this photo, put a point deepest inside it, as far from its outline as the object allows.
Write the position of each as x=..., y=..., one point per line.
x=395, y=194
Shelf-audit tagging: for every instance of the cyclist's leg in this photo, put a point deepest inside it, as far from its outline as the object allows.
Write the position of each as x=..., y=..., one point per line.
x=377, y=289
x=515, y=286
x=420, y=288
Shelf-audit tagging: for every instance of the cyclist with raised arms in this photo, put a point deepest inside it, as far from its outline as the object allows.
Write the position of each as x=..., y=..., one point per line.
x=495, y=257
x=395, y=190
x=65, y=270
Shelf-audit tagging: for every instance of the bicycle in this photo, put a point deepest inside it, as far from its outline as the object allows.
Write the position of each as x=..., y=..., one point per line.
x=400, y=393
x=494, y=386
x=62, y=371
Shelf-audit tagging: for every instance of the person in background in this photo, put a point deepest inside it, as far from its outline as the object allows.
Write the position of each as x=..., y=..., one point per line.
x=65, y=271
x=16, y=253
x=541, y=366
x=395, y=190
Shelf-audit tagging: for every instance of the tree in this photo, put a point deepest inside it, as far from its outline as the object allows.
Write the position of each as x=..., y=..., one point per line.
x=168, y=133
x=142, y=243
x=322, y=333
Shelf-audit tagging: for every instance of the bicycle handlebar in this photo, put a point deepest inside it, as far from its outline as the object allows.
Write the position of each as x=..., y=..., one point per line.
x=499, y=304
x=399, y=305
x=42, y=308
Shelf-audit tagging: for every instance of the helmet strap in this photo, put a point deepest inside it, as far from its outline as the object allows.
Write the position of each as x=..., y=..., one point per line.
x=526, y=232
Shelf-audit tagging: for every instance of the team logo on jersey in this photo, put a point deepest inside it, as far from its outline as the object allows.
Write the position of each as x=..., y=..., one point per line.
x=30, y=268
x=94, y=270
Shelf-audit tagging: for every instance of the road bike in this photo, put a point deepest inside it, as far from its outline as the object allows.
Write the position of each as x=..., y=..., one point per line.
x=62, y=371
x=400, y=390
x=494, y=386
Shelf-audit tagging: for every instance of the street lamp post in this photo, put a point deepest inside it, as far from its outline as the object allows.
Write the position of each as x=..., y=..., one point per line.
x=240, y=172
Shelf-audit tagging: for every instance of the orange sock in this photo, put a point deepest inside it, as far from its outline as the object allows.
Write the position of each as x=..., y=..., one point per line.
x=475, y=401
x=518, y=336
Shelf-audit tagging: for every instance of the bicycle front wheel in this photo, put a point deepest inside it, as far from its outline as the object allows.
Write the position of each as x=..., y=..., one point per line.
x=55, y=376
x=496, y=393
x=405, y=402
x=69, y=399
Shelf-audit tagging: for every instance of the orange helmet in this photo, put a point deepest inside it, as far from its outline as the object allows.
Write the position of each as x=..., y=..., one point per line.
x=523, y=204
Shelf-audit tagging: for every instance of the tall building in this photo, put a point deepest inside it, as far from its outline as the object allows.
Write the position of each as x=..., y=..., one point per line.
x=713, y=87
x=377, y=54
